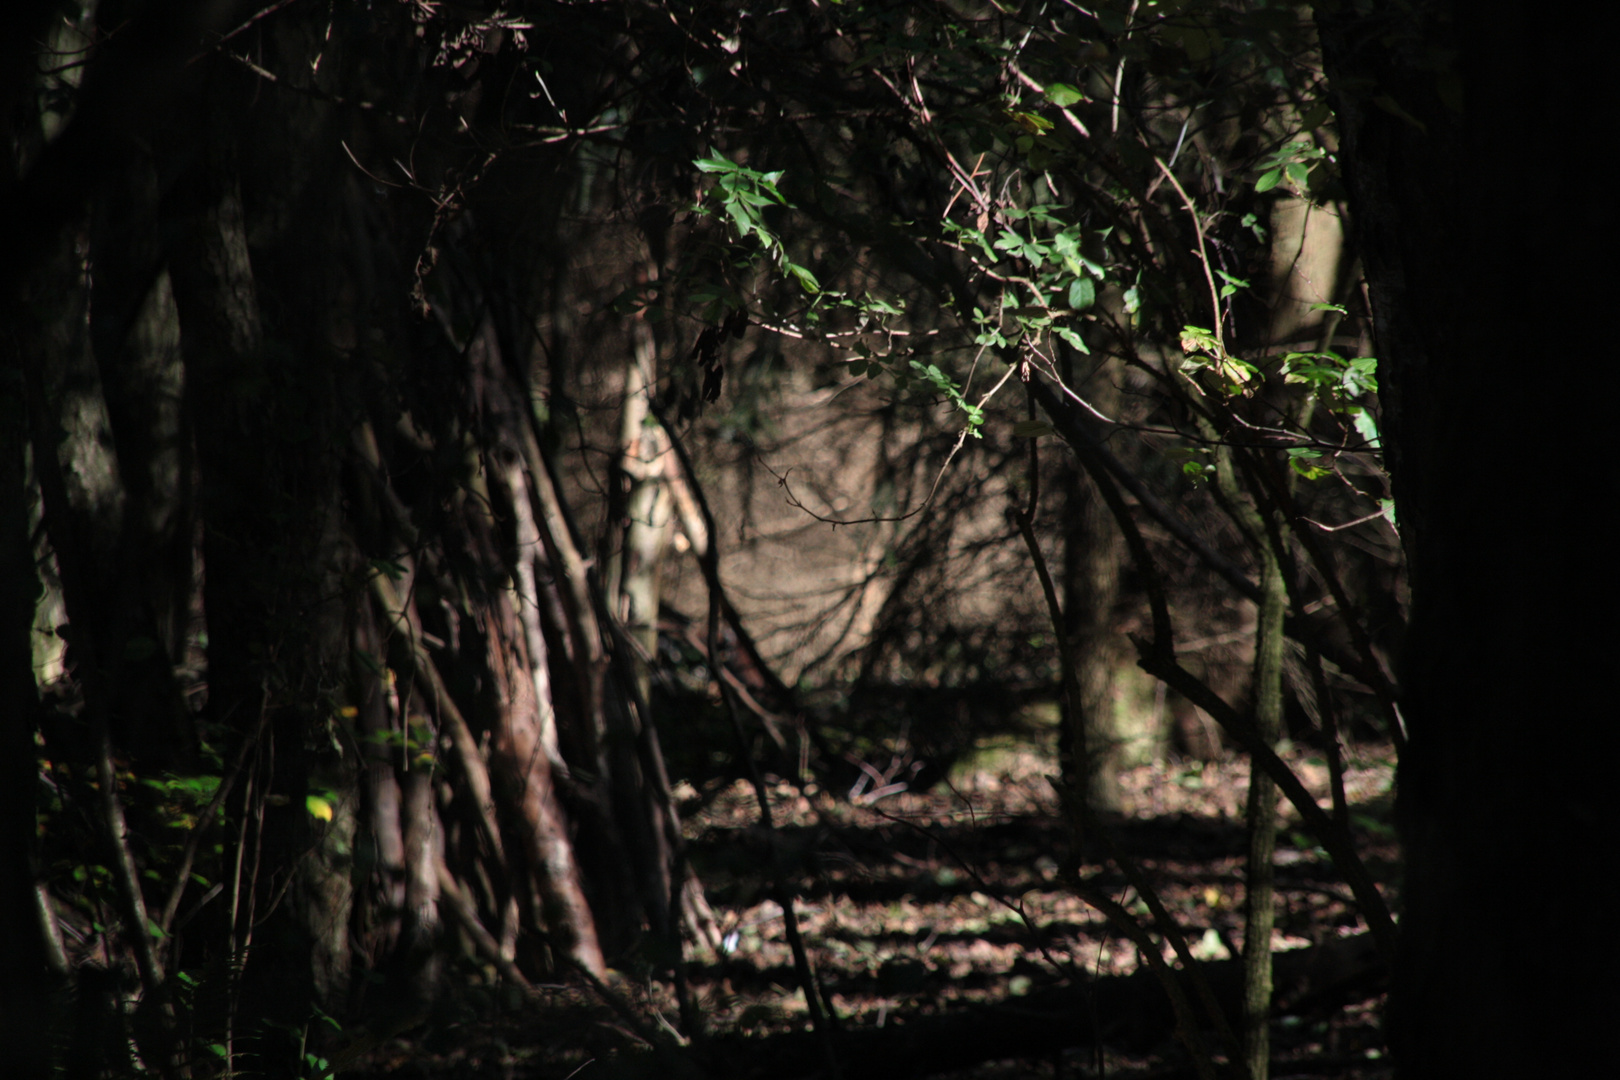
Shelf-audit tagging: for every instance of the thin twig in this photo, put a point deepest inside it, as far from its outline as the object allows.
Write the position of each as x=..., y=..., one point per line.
x=961, y=440
x=1332, y=835
x=1186, y=1026
x=138, y=933
x=402, y=614
x=1074, y=121
x=823, y=1018
x=182, y=875
x=1172, y=934
x=1198, y=231
x=1074, y=432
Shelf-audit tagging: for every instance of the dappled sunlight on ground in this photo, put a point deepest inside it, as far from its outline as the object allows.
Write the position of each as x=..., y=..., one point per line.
x=926, y=901
x=922, y=903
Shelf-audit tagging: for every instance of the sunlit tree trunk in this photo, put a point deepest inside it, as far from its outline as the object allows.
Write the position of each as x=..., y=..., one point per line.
x=649, y=511
x=522, y=768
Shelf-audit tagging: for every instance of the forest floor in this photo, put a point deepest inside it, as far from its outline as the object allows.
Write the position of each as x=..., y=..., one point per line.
x=948, y=904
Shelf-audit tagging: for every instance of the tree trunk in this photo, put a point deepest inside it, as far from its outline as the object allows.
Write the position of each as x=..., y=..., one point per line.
x=1260, y=815
x=1094, y=554
x=649, y=510
x=134, y=331
x=265, y=397
x=386, y=750
x=1492, y=328
x=522, y=768
x=25, y=981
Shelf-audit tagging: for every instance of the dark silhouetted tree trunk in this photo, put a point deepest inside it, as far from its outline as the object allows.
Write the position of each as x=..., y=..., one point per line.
x=24, y=976
x=1492, y=292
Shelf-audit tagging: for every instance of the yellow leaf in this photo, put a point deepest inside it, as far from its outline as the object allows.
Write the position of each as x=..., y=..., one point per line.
x=318, y=807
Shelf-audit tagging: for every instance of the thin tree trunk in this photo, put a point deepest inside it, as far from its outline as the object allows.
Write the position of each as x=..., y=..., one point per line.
x=648, y=503
x=1094, y=552
x=641, y=788
x=1260, y=816
x=381, y=848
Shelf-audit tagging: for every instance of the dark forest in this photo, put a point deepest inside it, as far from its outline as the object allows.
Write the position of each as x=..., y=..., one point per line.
x=843, y=539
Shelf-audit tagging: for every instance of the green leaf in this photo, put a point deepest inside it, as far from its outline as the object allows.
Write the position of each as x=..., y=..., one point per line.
x=1366, y=426
x=1360, y=373
x=388, y=568
x=743, y=216
x=1239, y=371
x=1196, y=338
x=1034, y=123
x=807, y=280
x=1075, y=340
x=1268, y=181
x=1082, y=294
x=1233, y=284
x=1063, y=95
x=1032, y=429
x=1300, y=458
x=1009, y=241
x=1316, y=116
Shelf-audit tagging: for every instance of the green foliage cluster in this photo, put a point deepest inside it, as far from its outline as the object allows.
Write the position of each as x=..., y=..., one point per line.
x=1061, y=222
